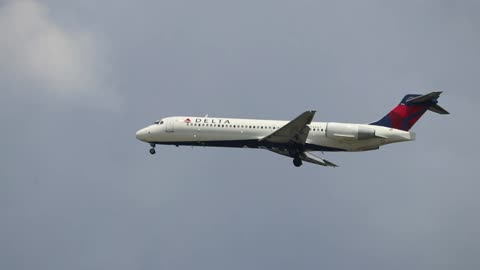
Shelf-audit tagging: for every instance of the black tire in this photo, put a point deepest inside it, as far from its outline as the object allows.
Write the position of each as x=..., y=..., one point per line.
x=152, y=151
x=297, y=162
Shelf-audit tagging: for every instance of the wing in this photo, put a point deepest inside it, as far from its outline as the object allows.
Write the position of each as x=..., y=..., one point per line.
x=309, y=157
x=296, y=131
x=305, y=156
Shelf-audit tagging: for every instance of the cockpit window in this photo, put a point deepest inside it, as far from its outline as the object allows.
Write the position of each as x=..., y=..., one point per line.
x=158, y=122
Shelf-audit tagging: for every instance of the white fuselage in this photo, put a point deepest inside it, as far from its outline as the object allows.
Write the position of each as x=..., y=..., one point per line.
x=232, y=132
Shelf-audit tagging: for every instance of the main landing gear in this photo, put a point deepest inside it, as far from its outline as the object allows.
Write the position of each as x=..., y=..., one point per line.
x=297, y=162
x=152, y=150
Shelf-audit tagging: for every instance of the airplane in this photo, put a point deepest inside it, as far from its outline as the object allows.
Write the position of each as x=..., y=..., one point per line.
x=296, y=138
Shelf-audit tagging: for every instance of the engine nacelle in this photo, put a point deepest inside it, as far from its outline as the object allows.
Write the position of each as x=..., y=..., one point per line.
x=349, y=132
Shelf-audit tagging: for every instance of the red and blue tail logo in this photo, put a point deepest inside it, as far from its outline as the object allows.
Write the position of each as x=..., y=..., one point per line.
x=410, y=109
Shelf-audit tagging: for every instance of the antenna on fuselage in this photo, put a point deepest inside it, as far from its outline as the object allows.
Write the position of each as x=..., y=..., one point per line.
x=206, y=115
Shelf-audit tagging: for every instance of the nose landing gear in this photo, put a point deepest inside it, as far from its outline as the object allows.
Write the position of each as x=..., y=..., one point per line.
x=152, y=150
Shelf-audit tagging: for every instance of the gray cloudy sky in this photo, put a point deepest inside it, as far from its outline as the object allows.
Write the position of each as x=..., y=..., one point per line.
x=78, y=191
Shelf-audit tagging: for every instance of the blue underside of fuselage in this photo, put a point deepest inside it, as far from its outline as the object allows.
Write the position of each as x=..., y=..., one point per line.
x=252, y=144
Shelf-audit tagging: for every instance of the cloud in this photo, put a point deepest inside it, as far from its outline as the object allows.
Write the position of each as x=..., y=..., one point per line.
x=39, y=54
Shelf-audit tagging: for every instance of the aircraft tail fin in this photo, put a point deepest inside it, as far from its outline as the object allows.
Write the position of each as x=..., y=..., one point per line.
x=410, y=109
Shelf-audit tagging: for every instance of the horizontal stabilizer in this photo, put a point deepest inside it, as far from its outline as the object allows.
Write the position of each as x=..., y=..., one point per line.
x=428, y=98
x=436, y=108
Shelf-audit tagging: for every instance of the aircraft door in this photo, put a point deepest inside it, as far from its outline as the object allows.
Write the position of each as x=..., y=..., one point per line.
x=169, y=125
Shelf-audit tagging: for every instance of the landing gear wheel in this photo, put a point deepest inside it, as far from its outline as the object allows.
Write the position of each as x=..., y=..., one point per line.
x=297, y=162
x=152, y=150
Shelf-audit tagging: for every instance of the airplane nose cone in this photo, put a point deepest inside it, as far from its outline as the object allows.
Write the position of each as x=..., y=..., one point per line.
x=142, y=135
